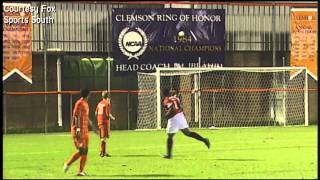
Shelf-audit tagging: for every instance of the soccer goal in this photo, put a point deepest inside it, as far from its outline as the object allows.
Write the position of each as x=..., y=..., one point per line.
x=227, y=97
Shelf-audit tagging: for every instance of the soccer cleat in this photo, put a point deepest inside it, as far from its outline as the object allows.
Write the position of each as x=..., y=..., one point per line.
x=207, y=142
x=65, y=167
x=166, y=156
x=81, y=174
x=102, y=154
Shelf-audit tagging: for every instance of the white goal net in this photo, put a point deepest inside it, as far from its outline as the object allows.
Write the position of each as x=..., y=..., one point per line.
x=227, y=97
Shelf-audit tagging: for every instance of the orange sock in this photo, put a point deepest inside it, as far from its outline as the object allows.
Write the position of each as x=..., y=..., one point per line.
x=73, y=158
x=83, y=160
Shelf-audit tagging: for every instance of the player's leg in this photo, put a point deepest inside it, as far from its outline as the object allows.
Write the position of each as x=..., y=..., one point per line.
x=172, y=128
x=107, y=136
x=75, y=156
x=102, y=147
x=189, y=133
x=182, y=124
x=169, y=146
x=83, y=149
x=102, y=141
x=83, y=160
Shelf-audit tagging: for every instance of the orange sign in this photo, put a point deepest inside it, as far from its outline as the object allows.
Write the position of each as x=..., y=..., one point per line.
x=17, y=42
x=304, y=39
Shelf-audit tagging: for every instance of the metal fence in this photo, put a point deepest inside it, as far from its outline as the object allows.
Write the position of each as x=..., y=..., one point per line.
x=87, y=26
x=31, y=116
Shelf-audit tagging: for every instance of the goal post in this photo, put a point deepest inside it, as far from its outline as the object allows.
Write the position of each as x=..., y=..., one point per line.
x=158, y=80
x=227, y=97
x=306, y=98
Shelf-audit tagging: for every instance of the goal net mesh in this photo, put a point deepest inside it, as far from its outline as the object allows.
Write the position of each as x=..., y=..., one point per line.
x=226, y=98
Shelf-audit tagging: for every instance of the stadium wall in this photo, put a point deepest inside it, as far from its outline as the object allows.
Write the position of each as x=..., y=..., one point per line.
x=26, y=113
x=83, y=29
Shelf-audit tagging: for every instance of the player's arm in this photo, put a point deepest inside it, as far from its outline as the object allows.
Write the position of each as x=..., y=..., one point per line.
x=177, y=103
x=111, y=116
x=164, y=106
x=76, y=121
x=168, y=109
x=108, y=111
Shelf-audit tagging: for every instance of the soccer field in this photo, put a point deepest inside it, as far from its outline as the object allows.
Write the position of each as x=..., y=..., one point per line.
x=266, y=152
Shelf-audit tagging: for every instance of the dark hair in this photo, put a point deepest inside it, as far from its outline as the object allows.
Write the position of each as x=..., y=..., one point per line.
x=105, y=95
x=84, y=93
x=166, y=92
x=174, y=92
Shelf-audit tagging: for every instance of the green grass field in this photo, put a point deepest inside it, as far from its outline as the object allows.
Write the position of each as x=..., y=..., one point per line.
x=266, y=152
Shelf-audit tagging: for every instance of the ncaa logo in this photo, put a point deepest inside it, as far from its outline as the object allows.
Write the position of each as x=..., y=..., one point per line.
x=132, y=42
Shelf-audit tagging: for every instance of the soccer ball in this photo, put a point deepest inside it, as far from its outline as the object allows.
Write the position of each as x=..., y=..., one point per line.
x=181, y=34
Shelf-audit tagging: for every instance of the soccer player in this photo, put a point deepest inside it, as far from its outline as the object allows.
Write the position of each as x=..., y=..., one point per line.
x=80, y=132
x=103, y=114
x=177, y=121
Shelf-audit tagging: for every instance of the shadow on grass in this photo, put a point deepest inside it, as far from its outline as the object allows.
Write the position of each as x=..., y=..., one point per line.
x=139, y=175
x=238, y=159
x=281, y=172
x=137, y=155
x=262, y=148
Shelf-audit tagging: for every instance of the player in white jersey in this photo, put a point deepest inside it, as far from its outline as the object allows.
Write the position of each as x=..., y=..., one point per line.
x=177, y=121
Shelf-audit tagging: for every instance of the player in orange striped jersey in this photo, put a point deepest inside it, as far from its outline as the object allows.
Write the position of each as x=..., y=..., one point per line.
x=103, y=114
x=80, y=132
